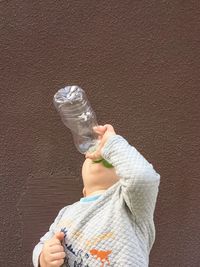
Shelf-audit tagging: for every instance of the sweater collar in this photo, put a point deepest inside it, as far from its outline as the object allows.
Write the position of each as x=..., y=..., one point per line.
x=90, y=198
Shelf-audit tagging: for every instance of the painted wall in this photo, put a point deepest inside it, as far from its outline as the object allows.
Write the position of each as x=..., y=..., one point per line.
x=139, y=64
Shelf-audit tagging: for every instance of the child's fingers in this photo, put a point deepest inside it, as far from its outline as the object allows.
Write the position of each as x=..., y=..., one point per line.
x=89, y=155
x=97, y=153
x=99, y=137
x=57, y=263
x=58, y=256
x=94, y=156
x=109, y=127
x=99, y=129
x=56, y=248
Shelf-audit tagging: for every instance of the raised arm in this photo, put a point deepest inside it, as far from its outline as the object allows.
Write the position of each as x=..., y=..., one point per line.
x=139, y=180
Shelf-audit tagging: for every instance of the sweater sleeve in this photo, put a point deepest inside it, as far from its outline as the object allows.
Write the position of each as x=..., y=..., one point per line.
x=38, y=248
x=138, y=179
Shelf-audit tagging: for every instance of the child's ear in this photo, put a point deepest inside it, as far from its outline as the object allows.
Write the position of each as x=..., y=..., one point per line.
x=84, y=192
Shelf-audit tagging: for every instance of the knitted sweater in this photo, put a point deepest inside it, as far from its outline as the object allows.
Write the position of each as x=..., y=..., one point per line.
x=115, y=229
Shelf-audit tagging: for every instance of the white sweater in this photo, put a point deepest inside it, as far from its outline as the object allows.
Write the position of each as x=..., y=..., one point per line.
x=114, y=229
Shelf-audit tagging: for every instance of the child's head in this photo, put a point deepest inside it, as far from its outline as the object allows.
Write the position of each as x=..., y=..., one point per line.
x=97, y=177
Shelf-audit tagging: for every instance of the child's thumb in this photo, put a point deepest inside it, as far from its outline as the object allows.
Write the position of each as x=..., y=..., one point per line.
x=109, y=127
x=59, y=236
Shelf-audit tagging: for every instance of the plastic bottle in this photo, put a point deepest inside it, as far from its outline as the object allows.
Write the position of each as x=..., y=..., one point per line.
x=78, y=115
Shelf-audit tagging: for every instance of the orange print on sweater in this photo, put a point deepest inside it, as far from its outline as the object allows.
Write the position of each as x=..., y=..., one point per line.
x=102, y=255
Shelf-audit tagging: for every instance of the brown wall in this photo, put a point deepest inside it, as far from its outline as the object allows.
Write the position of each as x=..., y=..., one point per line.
x=138, y=62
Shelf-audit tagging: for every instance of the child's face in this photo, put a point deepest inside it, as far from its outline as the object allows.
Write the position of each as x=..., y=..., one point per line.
x=97, y=177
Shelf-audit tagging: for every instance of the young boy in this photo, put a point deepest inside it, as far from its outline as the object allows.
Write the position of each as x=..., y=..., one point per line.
x=112, y=225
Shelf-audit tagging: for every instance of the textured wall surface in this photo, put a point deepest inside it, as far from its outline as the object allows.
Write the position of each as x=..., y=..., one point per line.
x=139, y=64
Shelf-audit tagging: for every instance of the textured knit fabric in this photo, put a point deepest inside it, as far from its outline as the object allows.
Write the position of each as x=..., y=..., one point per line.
x=117, y=228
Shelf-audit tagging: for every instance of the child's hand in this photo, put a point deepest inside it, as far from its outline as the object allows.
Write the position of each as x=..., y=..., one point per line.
x=53, y=254
x=104, y=133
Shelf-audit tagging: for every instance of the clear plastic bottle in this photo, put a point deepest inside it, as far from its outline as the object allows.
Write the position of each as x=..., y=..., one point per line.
x=78, y=115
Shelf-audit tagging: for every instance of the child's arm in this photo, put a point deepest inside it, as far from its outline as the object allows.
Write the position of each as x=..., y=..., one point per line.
x=38, y=248
x=139, y=181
